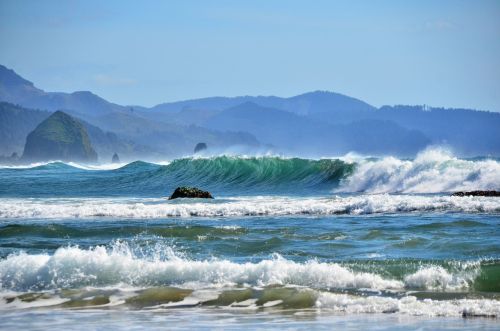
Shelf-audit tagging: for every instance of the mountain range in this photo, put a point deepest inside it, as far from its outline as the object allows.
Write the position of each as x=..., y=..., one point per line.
x=312, y=124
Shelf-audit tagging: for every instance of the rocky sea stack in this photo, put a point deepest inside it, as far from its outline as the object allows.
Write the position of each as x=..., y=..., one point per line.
x=115, y=158
x=190, y=192
x=200, y=147
x=59, y=137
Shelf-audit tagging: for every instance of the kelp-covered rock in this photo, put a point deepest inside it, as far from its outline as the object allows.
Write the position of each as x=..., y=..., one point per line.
x=477, y=194
x=59, y=137
x=190, y=192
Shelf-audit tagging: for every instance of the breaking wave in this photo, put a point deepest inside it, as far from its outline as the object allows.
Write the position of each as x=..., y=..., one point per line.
x=432, y=171
x=121, y=264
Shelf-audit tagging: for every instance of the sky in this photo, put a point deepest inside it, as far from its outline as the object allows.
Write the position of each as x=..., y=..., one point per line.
x=438, y=53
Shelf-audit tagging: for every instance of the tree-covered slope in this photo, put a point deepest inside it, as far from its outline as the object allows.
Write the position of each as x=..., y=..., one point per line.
x=15, y=124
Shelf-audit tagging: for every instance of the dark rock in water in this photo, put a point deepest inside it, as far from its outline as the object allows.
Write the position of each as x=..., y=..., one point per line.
x=59, y=137
x=200, y=147
x=115, y=158
x=190, y=192
x=477, y=194
x=468, y=314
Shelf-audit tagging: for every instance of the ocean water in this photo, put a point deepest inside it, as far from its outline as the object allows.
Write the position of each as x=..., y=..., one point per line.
x=350, y=243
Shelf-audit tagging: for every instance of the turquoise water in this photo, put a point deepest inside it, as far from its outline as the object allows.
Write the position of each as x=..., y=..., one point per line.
x=286, y=243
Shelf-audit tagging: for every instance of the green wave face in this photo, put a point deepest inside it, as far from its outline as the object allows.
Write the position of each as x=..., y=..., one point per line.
x=265, y=174
x=221, y=175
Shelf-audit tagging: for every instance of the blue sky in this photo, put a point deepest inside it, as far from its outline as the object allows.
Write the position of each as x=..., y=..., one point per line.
x=441, y=53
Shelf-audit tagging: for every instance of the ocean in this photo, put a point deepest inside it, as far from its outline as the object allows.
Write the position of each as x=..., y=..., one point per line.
x=350, y=243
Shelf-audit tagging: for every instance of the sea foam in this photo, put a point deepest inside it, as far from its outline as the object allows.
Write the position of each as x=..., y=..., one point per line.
x=408, y=305
x=432, y=171
x=242, y=206
x=73, y=267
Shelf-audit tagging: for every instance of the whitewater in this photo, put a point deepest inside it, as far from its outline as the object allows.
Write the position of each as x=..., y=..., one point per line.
x=243, y=206
x=289, y=241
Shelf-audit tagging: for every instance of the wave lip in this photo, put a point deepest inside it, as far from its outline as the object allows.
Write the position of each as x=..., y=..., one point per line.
x=243, y=206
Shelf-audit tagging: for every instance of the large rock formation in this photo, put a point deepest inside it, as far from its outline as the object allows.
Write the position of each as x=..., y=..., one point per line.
x=59, y=137
x=115, y=158
x=190, y=192
x=200, y=147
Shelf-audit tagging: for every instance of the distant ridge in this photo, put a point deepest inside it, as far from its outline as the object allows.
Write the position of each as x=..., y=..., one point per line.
x=14, y=88
x=309, y=136
x=302, y=104
x=17, y=90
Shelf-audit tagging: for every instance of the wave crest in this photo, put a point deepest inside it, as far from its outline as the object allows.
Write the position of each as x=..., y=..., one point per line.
x=73, y=267
x=432, y=171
